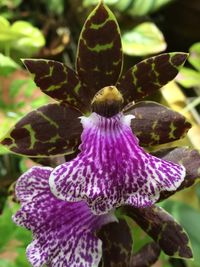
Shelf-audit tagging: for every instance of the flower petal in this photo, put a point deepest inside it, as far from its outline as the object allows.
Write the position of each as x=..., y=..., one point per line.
x=53, y=129
x=152, y=129
x=99, y=57
x=63, y=232
x=161, y=226
x=58, y=81
x=112, y=169
x=149, y=75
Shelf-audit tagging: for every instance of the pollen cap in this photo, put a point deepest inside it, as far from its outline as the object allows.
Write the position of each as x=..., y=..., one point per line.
x=107, y=102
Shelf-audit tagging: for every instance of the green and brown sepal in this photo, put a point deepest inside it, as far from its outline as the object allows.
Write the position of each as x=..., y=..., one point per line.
x=99, y=56
x=149, y=75
x=53, y=129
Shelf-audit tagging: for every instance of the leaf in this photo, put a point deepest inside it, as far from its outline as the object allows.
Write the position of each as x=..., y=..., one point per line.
x=194, y=56
x=144, y=39
x=58, y=81
x=99, y=56
x=161, y=226
x=7, y=65
x=152, y=129
x=149, y=75
x=189, y=158
x=189, y=219
x=146, y=256
x=188, y=78
x=117, y=244
x=13, y=241
x=50, y=130
x=20, y=36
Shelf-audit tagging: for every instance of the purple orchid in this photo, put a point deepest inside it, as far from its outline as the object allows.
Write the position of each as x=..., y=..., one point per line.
x=112, y=169
x=63, y=233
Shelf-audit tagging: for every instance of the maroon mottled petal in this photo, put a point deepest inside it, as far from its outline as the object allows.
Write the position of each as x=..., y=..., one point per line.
x=189, y=158
x=58, y=81
x=50, y=130
x=146, y=256
x=149, y=75
x=117, y=244
x=156, y=124
x=161, y=226
x=99, y=56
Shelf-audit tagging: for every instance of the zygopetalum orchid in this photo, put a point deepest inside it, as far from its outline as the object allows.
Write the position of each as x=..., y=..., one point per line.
x=64, y=207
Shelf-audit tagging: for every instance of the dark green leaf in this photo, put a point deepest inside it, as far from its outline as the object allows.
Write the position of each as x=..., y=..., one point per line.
x=50, y=130
x=156, y=124
x=146, y=256
x=149, y=75
x=161, y=226
x=117, y=244
x=58, y=81
x=99, y=57
x=189, y=158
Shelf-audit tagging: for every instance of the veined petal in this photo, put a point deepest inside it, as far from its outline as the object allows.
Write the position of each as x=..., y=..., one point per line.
x=63, y=233
x=112, y=169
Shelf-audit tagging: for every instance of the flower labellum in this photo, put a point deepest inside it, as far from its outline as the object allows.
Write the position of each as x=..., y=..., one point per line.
x=63, y=232
x=112, y=169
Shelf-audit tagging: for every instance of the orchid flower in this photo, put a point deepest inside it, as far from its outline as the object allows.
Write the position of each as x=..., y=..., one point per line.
x=98, y=124
x=63, y=233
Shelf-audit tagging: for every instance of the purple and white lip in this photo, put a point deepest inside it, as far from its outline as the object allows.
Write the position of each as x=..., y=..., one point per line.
x=64, y=234
x=112, y=169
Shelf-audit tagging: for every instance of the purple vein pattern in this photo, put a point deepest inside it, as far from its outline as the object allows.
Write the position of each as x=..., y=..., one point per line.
x=63, y=232
x=112, y=169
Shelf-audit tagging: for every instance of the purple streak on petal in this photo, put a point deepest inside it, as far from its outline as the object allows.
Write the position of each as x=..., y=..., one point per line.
x=63, y=232
x=112, y=169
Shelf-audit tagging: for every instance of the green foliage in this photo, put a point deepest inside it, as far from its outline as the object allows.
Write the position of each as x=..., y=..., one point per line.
x=14, y=240
x=190, y=77
x=7, y=65
x=133, y=7
x=145, y=39
x=20, y=36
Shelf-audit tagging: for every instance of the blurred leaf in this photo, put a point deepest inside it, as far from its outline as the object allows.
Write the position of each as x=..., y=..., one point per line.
x=50, y=130
x=20, y=36
x=133, y=7
x=189, y=219
x=188, y=78
x=99, y=54
x=194, y=57
x=152, y=129
x=149, y=75
x=162, y=227
x=145, y=39
x=7, y=65
x=13, y=240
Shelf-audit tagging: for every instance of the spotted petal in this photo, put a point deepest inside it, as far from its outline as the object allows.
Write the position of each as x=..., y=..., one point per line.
x=152, y=129
x=99, y=57
x=58, y=81
x=162, y=227
x=112, y=169
x=50, y=130
x=63, y=233
x=149, y=75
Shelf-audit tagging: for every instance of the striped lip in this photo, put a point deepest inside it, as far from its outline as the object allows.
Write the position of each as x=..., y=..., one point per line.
x=112, y=169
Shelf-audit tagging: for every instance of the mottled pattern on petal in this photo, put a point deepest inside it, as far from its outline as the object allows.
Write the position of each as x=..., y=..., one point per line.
x=63, y=232
x=112, y=169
